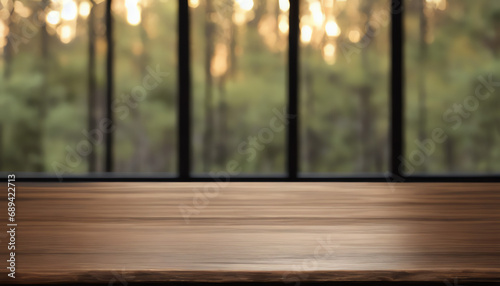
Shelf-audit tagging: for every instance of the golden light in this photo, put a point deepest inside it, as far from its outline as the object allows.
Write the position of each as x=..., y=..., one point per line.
x=53, y=17
x=134, y=17
x=69, y=10
x=315, y=7
x=329, y=50
x=65, y=34
x=267, y=29
x=246, y=5
x=21, y=10
x=306, y=34
x=239, y=18
x=329, y=53
x=340, y=4
x=219, y=62
x=4, y=31
x=317, y=14
x=84, y=9
x=133, y=12
x=442, y=5
x=354, y=36
x=283, y=24
x=437, y=4
x=306, y=20
x=328, y=3
x=4, y=13
x=194, y=3
x=332, y=29
x=284, y=5
x=130, y=4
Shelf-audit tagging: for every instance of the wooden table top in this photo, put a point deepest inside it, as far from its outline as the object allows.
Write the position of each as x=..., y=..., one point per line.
x=289, y=232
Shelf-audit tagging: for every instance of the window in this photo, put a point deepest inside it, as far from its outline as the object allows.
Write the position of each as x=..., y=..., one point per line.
x=46, y=83
x=344, y=60
x=238, y=68
x=145, y=85
x=452, y=58
x=309, y=90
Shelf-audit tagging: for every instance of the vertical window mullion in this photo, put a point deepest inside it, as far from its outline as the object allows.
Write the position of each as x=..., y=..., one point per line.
x=293, y=54
x=184, y=116
x=109, y=87
x=397, y=77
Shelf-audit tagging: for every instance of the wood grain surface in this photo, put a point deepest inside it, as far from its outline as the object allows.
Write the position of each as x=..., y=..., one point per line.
x=289, y=232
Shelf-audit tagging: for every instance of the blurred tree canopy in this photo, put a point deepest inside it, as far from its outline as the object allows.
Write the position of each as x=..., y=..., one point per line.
x=53, y=85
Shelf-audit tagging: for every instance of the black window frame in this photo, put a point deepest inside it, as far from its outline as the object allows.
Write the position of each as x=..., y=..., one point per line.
x=184, y=173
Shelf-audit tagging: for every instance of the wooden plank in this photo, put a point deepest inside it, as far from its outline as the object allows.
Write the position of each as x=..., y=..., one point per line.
x=91, y=232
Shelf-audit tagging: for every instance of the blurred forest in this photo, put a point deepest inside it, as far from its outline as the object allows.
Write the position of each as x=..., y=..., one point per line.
x=53, y=84
x=449, y=46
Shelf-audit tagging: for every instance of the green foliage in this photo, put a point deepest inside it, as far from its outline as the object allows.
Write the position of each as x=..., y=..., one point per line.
x=344, y=106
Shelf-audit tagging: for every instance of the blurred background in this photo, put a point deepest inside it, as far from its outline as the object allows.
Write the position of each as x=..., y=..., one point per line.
x=53, y=84
x=449, y=46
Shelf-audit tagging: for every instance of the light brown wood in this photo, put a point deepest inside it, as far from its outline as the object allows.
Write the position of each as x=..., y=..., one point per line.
x=92, y=232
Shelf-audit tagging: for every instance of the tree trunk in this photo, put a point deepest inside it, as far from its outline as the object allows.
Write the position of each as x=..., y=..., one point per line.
x=449, y=148
x=7, y=51
x=367, y=138
x=140, y=162
x=42, y=101
x=222, y=114
x=232, y=45
x=365, y=92
x=92, y=85
x=207, y=147
x=222, y=152
x=422, y=109
x=309, y=144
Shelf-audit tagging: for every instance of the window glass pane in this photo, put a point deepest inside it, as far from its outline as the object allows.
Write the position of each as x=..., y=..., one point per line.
x=239, y=85
x=44, y=88
x=452, y=80
x=145, y=107
x=344, y=73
